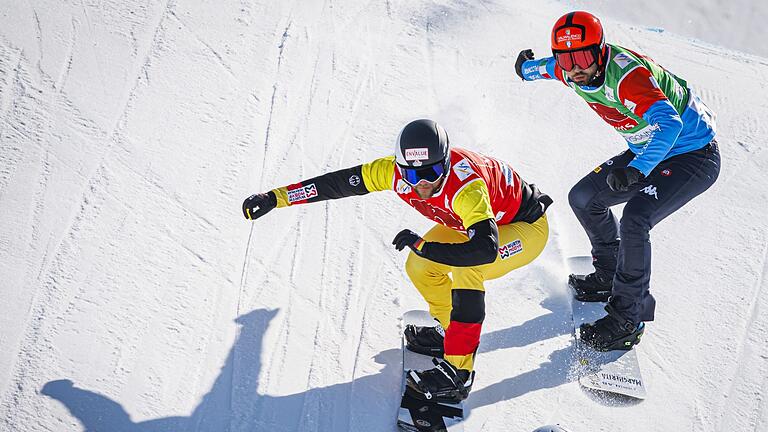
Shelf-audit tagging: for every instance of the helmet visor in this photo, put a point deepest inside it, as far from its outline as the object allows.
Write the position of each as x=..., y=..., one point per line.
x=430, y=174
x=582, y=58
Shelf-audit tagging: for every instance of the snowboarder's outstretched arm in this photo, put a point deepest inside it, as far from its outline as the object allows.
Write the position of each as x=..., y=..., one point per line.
x=358, y=180
x=529, y=68
x=472, y=204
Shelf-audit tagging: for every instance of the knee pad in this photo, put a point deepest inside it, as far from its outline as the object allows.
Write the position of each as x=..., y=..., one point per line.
x=468, y=306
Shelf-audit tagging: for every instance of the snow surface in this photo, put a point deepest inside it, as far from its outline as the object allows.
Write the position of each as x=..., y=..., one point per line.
x=134, y=296
x=735, y=24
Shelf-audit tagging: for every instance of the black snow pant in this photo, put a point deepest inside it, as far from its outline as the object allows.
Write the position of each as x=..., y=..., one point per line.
x=624, y=249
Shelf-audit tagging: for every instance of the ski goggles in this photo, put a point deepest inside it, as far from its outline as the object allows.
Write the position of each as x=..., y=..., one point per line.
x=582, y=58
x=431, y=174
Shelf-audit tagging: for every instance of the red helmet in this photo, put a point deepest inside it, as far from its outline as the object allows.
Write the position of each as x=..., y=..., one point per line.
x=579, y=31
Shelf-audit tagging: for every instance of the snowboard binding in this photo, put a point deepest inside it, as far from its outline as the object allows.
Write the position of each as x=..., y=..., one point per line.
x=442, y=384
x=425, y=340
x=611, y=332
x=590, y=288
x=621, y=344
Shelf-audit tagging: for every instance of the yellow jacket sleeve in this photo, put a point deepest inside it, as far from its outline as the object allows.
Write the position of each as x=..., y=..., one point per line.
x=379, y=175
x=472, y=203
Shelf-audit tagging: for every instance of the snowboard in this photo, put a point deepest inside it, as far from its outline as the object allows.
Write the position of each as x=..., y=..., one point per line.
x=613, y=372
x=418, y=415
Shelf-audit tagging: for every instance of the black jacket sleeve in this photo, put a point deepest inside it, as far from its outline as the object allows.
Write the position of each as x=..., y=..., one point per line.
x=338, y=184
x=482, y=247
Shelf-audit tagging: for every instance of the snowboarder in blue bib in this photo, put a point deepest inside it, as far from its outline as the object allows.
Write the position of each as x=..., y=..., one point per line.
x=672, y=158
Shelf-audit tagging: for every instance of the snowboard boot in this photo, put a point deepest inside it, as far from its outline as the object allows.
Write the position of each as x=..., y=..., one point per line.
x=594, y=287
x=611, y=332
x=425, y=340
x=443, y=383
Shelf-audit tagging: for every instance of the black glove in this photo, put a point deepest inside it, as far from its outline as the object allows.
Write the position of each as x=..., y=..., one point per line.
x=621, y=178
x=526, y=54
x=408, y=238
x=257, y=205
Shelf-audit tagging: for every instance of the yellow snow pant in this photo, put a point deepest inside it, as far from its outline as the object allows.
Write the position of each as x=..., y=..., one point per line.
x=519, y=244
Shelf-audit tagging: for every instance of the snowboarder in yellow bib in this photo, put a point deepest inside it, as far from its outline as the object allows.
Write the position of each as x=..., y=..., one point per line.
x=489, y=222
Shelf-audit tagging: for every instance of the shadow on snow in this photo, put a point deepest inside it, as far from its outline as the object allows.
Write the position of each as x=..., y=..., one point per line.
x=233, y=403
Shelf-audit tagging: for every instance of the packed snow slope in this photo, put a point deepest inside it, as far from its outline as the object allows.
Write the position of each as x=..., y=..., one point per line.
x=135, y=297
x=738, y=25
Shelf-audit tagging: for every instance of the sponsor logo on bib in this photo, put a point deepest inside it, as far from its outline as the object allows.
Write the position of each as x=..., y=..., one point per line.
x=640, y=136
x=463, y=169
x=614, y=117
x=403, y=187
x=622, y=60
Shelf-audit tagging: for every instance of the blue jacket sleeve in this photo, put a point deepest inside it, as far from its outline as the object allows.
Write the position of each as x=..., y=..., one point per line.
x=668, y=124
x=543, y=68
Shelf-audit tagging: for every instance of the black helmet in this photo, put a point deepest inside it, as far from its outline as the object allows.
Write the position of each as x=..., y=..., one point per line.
x=423, y=151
